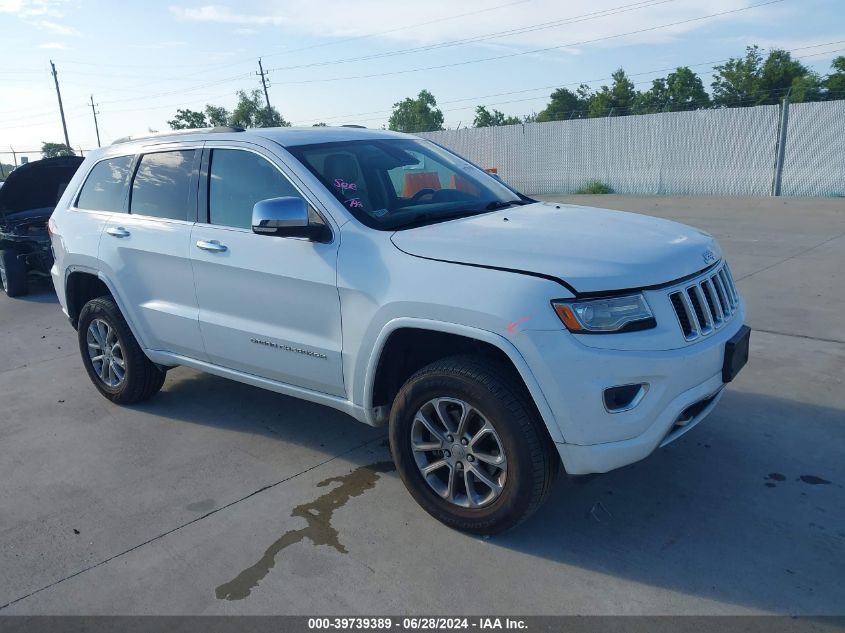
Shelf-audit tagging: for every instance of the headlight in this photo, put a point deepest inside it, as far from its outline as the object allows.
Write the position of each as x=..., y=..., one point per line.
x=609, y=314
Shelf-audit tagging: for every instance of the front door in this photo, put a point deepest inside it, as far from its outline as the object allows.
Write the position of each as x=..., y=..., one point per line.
x=268, y=305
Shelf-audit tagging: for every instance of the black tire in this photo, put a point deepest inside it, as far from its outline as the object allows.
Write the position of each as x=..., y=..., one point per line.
x=142, y=378
x=497, y=393
x=13, y=273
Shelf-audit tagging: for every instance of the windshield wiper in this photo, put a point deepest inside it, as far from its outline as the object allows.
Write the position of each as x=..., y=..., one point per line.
x=501, y=204
x=424, y=218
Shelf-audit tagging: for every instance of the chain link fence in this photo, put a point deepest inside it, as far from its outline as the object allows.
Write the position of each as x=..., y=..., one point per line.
x=729, y=152
x=814, y=152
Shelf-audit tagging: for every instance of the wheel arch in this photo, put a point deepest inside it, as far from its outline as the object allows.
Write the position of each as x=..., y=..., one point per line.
x=489, y=342
x=83, y=284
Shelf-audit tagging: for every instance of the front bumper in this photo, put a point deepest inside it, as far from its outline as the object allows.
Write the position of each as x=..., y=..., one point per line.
x=573, y=378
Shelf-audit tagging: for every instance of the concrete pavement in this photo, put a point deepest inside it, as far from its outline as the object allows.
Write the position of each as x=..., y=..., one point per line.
x=219, y=498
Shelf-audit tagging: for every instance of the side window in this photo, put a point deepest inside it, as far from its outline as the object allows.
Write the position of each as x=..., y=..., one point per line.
x=237, y=180
x=104, y=188
x=162, y=185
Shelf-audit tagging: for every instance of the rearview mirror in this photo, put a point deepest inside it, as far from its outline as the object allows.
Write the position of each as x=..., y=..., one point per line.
x=285, y=217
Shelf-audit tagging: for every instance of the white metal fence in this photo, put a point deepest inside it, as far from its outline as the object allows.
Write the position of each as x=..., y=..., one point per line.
x=705, y=152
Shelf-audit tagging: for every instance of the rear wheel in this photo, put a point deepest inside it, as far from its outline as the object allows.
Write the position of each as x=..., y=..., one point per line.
x=469, y=446
x=13, y=273
x=113, y=359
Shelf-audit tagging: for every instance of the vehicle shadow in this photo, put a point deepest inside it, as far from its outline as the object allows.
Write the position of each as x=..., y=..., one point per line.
x=733, y=511
x=40, y=291
x=199, y=398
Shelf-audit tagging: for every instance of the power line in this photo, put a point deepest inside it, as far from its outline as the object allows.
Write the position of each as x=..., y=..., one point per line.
x=344, y=40
x=536, y=50
x=642, y=4
x=565, y=85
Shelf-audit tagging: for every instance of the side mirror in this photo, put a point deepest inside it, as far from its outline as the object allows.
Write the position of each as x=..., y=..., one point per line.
x=285, y=217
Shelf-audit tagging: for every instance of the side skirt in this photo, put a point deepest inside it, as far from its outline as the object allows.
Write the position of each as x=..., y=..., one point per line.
x=341, y=404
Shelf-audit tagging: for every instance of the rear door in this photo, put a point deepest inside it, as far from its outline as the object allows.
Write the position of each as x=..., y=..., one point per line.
x=268, y=305
x=145, y=250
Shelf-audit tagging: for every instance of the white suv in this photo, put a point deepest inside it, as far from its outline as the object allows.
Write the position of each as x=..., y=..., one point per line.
x=382, y=275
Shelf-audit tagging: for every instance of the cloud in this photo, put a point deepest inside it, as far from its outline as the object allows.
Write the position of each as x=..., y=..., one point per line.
x=31, y=8
x=214, y=13
x=57, y=29
x=518, y=23
x=54, y=45
x=243, y=31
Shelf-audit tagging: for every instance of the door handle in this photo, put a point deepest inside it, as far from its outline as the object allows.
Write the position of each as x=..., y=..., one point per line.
x=212, y=245
x=118, y=232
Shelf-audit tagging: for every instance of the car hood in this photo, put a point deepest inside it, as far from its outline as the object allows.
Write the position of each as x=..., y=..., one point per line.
x=590, y=250
x=37, y=185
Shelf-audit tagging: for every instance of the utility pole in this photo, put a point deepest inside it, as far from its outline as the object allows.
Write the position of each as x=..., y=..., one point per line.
x=14, y=156
x=96, y=127
x=61, y=108
x=263, y=76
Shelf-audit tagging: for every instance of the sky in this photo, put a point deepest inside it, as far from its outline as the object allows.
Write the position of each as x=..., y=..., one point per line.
x=341, y=61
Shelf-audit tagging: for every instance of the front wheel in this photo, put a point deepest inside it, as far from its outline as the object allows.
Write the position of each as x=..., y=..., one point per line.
x=469, y=446
x=113, y=359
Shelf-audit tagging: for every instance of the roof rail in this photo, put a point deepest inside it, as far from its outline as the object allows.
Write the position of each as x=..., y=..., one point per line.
x=360, y=127
x=221, y=129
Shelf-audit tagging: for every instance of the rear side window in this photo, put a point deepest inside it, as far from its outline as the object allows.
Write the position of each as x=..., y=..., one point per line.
x=238, y=180
x=161, y=187
x=104, y=188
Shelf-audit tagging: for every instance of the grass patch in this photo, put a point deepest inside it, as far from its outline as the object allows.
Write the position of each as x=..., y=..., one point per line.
x=595, y=186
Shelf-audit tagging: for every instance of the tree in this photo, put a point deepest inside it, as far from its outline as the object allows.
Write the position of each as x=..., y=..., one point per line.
x=655, y=99
x=565, y=104
x=216, y=116
x=486, y=118
x=681, y=90
x=835, y=83
x=320, y=124
x=781, y=74
x=51, y=150
x=686, y=90
x=416, y=115
x=810, y=87
x=752, y=80
x=737, y=81
x=251, y=111
x=187, y=119
x=616, y=100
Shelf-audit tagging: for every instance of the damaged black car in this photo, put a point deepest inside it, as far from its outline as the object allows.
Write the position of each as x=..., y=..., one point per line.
x=27, y=199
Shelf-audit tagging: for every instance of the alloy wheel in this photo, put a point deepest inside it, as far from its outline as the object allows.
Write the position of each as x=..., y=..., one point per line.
x=105, y=353
x=458, y=452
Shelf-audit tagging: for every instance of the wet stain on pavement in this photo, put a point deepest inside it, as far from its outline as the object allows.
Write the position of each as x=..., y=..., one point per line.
x=776, y=477
x=319, y=530
x=813, y=480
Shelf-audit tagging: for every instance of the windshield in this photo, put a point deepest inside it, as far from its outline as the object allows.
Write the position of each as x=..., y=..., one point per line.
x=402, y=183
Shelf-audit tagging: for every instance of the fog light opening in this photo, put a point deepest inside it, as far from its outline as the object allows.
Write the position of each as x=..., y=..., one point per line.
x=624, y=397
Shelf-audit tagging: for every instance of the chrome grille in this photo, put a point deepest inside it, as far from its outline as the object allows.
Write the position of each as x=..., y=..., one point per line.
x=705, y=304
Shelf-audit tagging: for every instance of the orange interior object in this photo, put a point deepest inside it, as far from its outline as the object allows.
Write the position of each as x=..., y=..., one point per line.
x=462, y=184
x=415, y=182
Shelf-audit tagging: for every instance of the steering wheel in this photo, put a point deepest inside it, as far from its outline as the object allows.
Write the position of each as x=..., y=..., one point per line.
x=423, y=192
